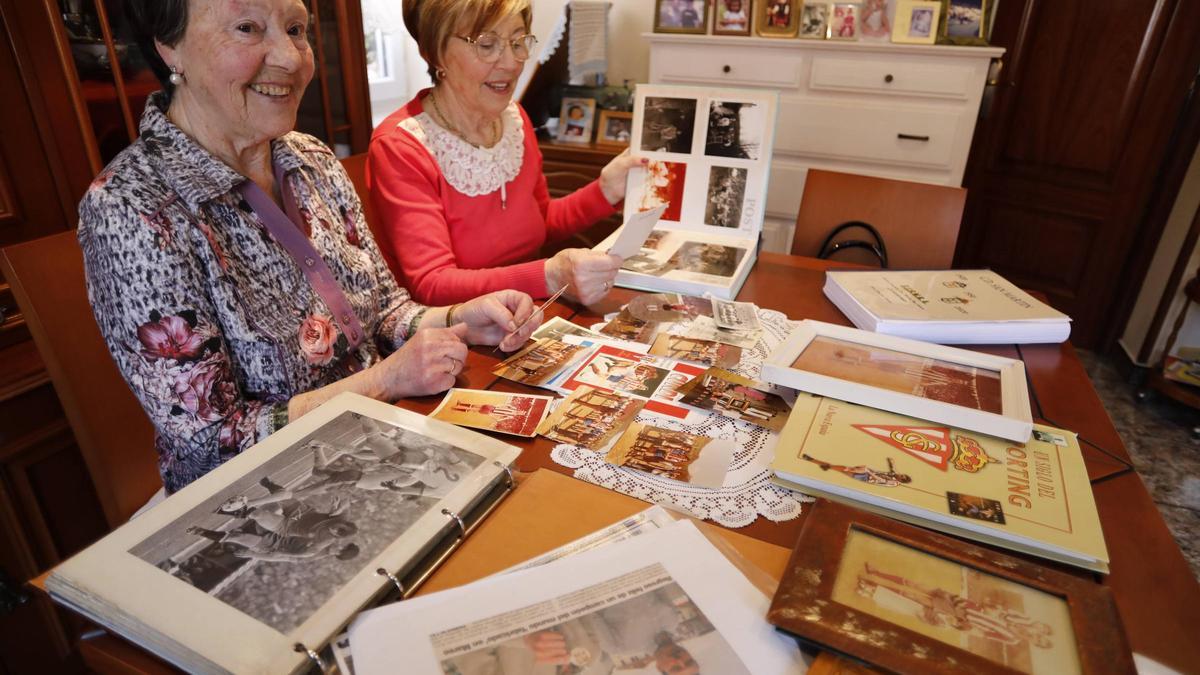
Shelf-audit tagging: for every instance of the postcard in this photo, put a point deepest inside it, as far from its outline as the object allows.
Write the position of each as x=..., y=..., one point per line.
x=517, y=414
x=590, y=418
x=706, y=328
x=600, y=340
x=735, y=396
x=697, y=350
x=688, y=458
x=538, y=363
x=557, y=327
x=616, y=369
x=627, y=327
x=635, y=230
x=730, y=315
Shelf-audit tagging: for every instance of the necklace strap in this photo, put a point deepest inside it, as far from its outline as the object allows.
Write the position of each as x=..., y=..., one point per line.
x=449, y=125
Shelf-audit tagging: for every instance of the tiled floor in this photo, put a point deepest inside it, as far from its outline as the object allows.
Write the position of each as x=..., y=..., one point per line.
x=1157, y=433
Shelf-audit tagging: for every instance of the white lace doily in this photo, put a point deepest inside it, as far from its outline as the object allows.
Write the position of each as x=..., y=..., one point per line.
x=470, y=170
x=747, y=493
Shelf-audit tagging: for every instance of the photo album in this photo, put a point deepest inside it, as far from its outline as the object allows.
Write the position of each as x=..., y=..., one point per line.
x=710, y=159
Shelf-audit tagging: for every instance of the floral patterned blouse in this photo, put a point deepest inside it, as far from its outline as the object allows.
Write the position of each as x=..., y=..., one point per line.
x=212, y=323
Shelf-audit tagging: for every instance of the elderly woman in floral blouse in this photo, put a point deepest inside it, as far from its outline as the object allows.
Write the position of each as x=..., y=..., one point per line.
x=230, y=268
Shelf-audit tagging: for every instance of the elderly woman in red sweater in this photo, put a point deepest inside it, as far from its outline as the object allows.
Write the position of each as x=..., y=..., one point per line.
x=456, y=175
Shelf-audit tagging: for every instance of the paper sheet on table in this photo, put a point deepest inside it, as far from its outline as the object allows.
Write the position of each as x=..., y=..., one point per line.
x=635, y=230
x=610, y=605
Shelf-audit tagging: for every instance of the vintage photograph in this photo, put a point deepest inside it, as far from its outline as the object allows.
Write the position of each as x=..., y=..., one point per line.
x=1005, y=622
x=814, y=21
x=965, y=19
x=556, y=327
x=625, y=326
x=732, y=395
x=844, y=23
x=537, y=363
x=901, y=372
x=282, y=540
x=735, y=130
x=979, y=508
x=698, y=257
x=681, y=16
x=590, y=418
x=576, y=119
x=916, y=21
x=726, y=191
x=517, y=414
x=661, y=307
x=873, y=21
x=664, y=185
x=732, y=17
x=704, y=327
x=622, y=372
x=672, y=454
x=733, y=315
x=616, y=128
x=668, y=124
x=696, y=350
x=777, y=18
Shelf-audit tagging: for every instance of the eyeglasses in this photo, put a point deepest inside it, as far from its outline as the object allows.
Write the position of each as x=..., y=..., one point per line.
x=490, y=46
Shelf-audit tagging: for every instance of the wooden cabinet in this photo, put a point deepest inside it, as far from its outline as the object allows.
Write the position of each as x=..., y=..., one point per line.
x=878, y=109
x=568, y=167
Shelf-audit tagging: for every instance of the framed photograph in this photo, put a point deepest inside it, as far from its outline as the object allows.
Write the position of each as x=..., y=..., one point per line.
x=576, y=119
x=732, y=17
x=844, y=24
x=814, y=20
x=681, y=16
x=615, y=128
x=961, y=388
x=873, y=20
x=903, y=598
x=966, y=22
x=916, y=21
x=777, y=18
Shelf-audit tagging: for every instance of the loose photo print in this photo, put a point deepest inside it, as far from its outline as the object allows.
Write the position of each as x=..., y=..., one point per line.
x=617, y=369
x=316, y=512
x=735, y=130
x=814, y=20
x=557, y=327
x=696, y=350
x=733, y=315
x=706, y=328
x=889, y=369
x=625, y=326
x=732, y=395
x=537, y=363
x=844, y=25
x=697, y=257
x=668, y=124
x=517, y=414
x=1008, y=623
x=687, y=458
x=726, y=193
x=664, y=185
x=590, y=418
x=732, y=17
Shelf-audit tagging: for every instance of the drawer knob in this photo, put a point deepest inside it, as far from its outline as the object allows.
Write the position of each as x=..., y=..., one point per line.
x=888, y=78
x=911, y=137
x=726, y=69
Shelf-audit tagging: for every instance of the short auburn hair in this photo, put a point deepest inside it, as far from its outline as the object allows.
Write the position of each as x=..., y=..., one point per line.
x=433, y=22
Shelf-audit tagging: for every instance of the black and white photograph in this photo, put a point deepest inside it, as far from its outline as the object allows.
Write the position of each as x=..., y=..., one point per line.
x=964, y=18
x=283, y=539
x=668, y=124
x=814, y=20
x=735, y=130
x=717, y=260
x=726, y=191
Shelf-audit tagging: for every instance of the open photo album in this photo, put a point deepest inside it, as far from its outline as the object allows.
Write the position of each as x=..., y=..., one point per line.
x=262, y=561
x=710, y=159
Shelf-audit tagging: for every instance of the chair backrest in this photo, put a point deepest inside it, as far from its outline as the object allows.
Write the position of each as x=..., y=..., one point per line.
x=919, y=222
x=356, y=168
x=113, y=432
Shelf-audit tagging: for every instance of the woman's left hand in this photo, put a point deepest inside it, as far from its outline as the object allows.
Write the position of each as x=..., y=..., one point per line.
x=491, y=318
x=613, y=175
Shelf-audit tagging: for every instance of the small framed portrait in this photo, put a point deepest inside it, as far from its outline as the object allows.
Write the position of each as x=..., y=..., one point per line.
x=843, y=24
x=681, y=16
x=926, y=598
x=576, y=119
x=873, y=20
x=916, y=22
x=966, y=22
x=777, y=18
x=732, y=17
x=615, y=128
x=814, y=20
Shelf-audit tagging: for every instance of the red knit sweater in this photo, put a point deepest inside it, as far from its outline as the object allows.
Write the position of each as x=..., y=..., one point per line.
x=447, y=247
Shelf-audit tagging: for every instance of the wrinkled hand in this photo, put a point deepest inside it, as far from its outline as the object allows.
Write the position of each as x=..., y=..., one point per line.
x=548, y=647
x=490, y=319
x=590, y=273
x=613, y=175
x=427, y=363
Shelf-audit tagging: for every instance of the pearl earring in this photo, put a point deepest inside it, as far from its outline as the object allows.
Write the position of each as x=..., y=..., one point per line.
x=176, y=78
x=441, y=73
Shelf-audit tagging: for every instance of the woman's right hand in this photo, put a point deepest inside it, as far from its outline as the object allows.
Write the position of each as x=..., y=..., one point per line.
x=589, y=273
x=426, y=364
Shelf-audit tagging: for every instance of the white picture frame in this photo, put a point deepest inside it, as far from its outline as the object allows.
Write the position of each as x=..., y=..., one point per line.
x=997, y=385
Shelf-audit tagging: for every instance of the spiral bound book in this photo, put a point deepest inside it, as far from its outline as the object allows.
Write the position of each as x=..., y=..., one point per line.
x=255, y=567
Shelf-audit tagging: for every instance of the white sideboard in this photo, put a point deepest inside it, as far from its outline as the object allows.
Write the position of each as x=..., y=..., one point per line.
x=873, y=108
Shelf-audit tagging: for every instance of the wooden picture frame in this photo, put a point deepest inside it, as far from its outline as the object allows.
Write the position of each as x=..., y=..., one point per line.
x=814, y=20
x=573, y=127
x=961, y=388
x=618, y=136
x=681, y=16
x=916, y=22
x=844, y=21
x=966, y=22
x=777, y=18
x=909, y=600
x=724, y=16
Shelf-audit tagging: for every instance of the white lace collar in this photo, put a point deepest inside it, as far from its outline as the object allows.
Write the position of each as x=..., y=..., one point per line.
x=470, y=170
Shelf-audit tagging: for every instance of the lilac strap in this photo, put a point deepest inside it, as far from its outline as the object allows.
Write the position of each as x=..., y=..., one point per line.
x=288, y=230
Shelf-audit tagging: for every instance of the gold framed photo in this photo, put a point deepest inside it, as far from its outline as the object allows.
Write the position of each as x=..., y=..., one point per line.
x=814, y=20
x=965, y=22
x=777, y=18
x=916, y=22
x=615, y=128
x=681, y=16
x=732, y=17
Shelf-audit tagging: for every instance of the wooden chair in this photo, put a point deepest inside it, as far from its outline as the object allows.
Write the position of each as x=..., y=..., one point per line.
x=919, y=222
x=113, y=432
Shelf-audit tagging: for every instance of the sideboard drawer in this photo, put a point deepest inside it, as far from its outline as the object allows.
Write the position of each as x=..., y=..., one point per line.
x=892, y=76
x=686, y=64
x=912, y=135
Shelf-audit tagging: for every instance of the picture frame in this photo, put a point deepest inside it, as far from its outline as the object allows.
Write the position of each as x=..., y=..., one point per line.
x=733, y=17
x=615, y=128
x=965, y=22
x=814, y=20
x=681, y=16
x=874, y=21
x=576, y=118
x=916, y=22
x=958, y=387
x=844, y=21
x=777, y=18
x=902, y=598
